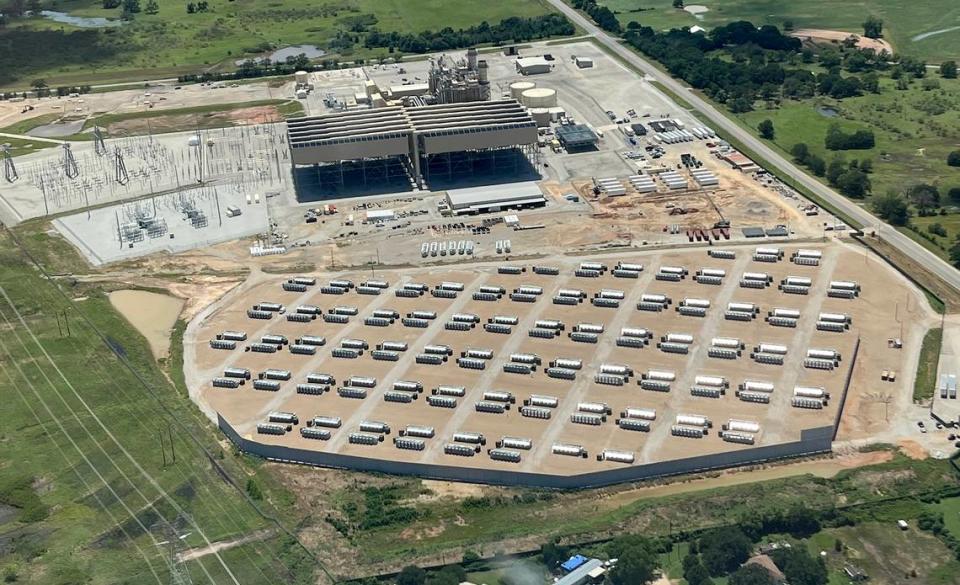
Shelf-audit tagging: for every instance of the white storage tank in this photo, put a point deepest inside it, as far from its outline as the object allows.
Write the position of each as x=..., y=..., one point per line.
x=539, y=97
x=518, y=87
x=302, y=77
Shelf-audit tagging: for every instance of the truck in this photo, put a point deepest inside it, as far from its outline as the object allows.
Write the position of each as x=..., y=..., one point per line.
x=233, y=211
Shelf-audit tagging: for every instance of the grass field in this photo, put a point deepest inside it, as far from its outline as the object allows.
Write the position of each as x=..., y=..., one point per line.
x=173, y=42
x=84, y=417
x=903, y=21
x=886, y=553
x=915, y=129
x=950, y=508
x=926, y=382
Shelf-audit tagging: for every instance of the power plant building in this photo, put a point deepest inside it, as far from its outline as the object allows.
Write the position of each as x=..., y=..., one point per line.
x=414, y=144
x=532, y=65
x=495, y=198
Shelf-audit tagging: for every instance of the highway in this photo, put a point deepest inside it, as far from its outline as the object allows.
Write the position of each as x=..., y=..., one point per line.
x=722, y=123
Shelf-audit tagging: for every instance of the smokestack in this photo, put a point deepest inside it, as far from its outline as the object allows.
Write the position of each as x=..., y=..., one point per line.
x=472, y=59
x=482, y=72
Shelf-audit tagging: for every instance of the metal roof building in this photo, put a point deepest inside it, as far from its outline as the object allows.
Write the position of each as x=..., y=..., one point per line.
x=582, y=574
x=495, y=198
x=422, y=141
x=532, y=65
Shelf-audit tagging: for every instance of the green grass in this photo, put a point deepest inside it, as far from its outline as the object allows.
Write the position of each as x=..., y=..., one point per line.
x=902, y=20
x=950, y=508
x=940, y=245
x=580, y=516
x=904, y=122
x=926, y=382
x=886, y=553
x=174, y=42
x=21, y=146
x=97, y=504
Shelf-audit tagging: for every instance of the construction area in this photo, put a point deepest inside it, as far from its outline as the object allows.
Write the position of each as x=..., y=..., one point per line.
x=564, y=368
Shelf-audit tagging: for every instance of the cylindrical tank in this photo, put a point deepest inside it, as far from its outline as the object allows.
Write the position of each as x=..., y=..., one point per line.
x=302, y=77
x=541, y=116
x=539, y=97
x=518, y=87
x=472, y=58
x=743, y=426
x=482, y=71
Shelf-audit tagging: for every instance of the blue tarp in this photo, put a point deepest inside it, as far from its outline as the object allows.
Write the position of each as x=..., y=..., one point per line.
x=573, y=562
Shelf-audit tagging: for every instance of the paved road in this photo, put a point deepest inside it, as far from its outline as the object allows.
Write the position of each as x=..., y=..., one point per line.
x=721, y=122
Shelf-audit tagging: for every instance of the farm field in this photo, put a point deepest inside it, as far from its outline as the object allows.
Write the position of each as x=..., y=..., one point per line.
x=174, y=42
x=927, y=30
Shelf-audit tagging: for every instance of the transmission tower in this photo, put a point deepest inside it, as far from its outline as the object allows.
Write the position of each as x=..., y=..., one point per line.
x=121, y=167
x=99, y=146
x=70, y=167
x=9, y=170
x=170, y=539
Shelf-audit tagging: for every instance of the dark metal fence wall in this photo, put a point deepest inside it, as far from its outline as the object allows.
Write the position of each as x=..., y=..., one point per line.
x=811, y=441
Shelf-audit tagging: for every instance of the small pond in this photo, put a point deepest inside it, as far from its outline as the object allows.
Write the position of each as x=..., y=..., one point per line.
x=827, y=111
x=311, y=52
x=79, y=21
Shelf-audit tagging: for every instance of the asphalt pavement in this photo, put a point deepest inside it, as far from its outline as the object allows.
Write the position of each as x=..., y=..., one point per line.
x=721, y=122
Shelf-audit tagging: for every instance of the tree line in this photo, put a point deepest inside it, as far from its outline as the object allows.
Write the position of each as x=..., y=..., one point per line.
x=513, y=29
x=739, y=63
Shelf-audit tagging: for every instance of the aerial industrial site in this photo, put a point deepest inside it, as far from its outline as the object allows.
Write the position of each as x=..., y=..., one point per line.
x=563, y=292
x=533, y=263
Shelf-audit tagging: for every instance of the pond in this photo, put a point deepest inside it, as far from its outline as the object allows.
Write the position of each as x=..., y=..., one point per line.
x=311, y=52
x=828, y=112
x=79, y=21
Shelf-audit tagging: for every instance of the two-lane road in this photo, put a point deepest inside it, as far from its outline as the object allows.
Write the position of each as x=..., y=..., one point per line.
x=721, y=122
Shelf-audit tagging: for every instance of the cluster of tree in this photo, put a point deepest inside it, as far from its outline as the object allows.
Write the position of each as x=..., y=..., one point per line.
x=195, y=8
x=799, y=567
x=753, y=66
x=948, y=69
x=851, y=179
x=41, y=89
x=801, y=153
x=514, y=29
x=797, y=521
x=873, y=28
x=953, y=159
x=603, y=16
x=693, y=570
x=892, y=208
x=837, y=139
x=131, y=7
x=250, y=69
x=448, y=575
x=637, y=560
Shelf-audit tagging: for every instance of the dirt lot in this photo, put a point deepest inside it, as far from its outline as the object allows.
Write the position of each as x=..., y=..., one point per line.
x=183, y=122
x=838, y=36
x=883, y=290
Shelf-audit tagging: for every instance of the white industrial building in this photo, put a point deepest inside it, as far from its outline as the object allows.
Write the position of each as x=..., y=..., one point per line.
x=495, y=198
x=532, y=65
x=414, y=144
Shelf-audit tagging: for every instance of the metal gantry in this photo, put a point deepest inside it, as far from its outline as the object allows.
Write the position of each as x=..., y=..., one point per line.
x=70, y=168
x=121, y=167
x=99, y=146
x=9, y=169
